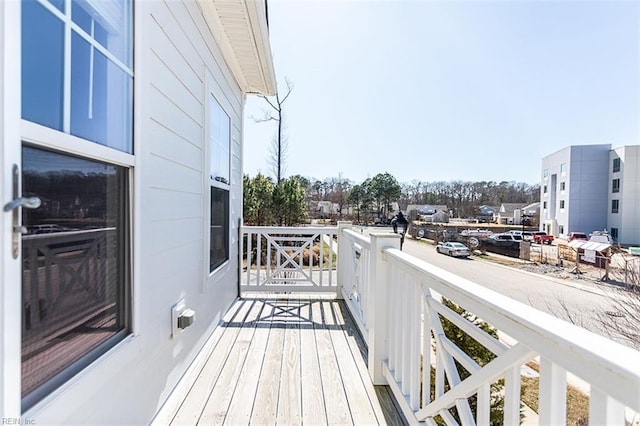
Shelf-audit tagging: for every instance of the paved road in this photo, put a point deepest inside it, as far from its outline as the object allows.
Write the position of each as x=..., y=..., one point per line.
x=578, y=301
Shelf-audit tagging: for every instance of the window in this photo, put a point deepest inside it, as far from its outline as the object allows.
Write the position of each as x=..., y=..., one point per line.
x=615, y=206
x=77, y=79
x=615, y=185
x=544, y=189
x=563, y=168
x=75, y=268
x=561, y=229
x=614, y=234
x=219, y=252
x=219, y=179
x=546, y=173
x=544, y=205
x=561, y=204
x=616, y=165
x=97, y=101
x=562, y=186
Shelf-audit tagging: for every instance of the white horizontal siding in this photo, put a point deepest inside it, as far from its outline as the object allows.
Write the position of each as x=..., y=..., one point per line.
x=170, y=115
x=168, y=144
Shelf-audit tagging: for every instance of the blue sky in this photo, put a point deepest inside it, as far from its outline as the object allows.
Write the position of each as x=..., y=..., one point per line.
x=448, y=90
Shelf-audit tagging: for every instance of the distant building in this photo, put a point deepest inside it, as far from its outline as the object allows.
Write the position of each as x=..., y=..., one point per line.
x=428, y=213
x=487, y=213
x=510, y=214
x=531, y=214
x=591, y=188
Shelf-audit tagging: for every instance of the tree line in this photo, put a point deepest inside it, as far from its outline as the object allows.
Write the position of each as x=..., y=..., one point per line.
x=292, y=201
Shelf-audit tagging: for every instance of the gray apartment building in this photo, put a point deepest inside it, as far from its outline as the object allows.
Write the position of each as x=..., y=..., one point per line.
x=588, y=188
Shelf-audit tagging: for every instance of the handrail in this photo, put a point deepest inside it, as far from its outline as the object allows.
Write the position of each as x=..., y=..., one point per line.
x=611, y=368
x=288, y=230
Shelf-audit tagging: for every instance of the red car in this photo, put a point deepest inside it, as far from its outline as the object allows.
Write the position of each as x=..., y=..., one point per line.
x=542, y=237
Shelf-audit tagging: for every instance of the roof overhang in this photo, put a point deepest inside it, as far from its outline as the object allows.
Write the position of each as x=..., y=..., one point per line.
x=241, y=30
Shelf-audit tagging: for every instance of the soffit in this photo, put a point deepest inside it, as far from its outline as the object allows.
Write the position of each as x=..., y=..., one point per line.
x=241, y=30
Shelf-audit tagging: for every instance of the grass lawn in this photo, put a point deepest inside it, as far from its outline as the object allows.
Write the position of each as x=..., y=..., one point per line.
x=577, y=401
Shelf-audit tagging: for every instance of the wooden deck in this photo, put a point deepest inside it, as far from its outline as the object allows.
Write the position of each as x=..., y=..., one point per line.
x=291, y=360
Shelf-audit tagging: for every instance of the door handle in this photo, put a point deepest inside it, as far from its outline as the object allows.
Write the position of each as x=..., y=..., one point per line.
x=19, y=201
x=27, y=203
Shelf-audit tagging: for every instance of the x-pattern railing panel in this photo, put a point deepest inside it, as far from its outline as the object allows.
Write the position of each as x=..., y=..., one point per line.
x=285, y=259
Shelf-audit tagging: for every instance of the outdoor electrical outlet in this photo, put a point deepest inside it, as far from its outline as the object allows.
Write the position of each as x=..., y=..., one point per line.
x=186, y=318
x=176, y=311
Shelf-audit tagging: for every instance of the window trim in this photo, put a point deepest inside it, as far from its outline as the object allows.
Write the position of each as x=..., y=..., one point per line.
x=616, y=209
x=615, y=188
x=613, y=165
x=63, y=142
x=213, y=91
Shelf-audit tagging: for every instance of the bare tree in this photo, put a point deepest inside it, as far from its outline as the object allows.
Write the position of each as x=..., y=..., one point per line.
x=278, y=150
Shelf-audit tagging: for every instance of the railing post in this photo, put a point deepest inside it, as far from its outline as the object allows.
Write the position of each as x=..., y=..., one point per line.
x=378, y=304
x=344, y=263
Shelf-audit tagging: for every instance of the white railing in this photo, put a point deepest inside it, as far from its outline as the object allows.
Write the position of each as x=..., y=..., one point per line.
x=353, y=278
x=288, y=259
x=404, y=309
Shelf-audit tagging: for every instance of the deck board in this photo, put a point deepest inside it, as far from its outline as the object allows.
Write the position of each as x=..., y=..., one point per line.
x=313, y=405
x=242, y=402
x=290, y=398
x=194, y=403
x=282, y=359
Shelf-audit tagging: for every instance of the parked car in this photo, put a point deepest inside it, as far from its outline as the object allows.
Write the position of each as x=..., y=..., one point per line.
x=453, y=249
x=601, y=237
x=527, y=236
x=542, y=237
x=578, y=236
x=506, y=237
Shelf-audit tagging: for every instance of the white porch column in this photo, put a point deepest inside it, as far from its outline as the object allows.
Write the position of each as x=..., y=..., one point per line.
x=378, y=307
x=344, y=263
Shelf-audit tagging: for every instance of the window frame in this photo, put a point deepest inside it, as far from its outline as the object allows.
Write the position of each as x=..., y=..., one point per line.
x=63, y=142
x=615, y=185
x=617, y=163
x=614, y=232
x=213, y=92
x=562, y=205
x=563, y=169
x=563, y=186
x=615, y=206
x=69, y=28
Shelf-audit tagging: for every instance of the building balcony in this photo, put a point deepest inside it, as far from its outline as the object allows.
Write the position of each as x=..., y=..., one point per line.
x=333, y=327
